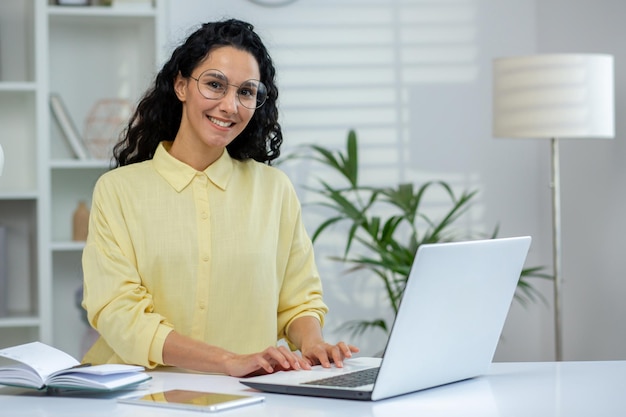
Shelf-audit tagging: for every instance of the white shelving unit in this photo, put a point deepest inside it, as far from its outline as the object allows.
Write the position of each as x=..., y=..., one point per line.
x=85, y=54
x=20, y=199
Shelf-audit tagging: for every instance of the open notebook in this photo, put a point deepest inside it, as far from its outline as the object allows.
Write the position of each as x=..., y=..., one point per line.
x=447, y=328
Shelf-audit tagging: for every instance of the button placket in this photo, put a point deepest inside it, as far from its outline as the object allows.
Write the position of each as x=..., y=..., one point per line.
x=201, y=196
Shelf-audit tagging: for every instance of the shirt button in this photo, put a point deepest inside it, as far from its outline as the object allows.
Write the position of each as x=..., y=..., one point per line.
x=204, y=215
x=205, y=258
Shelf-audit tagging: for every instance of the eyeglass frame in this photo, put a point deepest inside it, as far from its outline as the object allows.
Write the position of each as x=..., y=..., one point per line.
x=197, y=80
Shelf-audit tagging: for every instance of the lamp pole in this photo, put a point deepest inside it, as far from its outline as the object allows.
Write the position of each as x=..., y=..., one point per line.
x=556, y=249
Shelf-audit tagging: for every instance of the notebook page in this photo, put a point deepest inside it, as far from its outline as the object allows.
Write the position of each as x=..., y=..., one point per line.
x=44, y=359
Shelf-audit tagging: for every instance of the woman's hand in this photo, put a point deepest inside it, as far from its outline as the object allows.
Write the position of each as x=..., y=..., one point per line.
x=306, y=333
x=325, y=353
x=185, y=352
x=271, y=360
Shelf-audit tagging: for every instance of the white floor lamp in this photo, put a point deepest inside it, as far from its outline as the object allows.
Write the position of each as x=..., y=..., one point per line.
x=554, y=96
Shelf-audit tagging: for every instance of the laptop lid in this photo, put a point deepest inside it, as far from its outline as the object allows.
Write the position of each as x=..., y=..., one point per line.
x=447, y=328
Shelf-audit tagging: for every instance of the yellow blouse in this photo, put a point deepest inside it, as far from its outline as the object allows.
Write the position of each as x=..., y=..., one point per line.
x=221, y=256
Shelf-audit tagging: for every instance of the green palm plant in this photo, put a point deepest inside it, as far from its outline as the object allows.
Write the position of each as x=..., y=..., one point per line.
x=389, y=242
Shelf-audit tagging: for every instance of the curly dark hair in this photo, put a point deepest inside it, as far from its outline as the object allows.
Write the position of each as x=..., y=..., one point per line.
x=159, y=112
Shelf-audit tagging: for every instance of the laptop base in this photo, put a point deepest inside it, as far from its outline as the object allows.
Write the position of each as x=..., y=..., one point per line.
x=309, y=391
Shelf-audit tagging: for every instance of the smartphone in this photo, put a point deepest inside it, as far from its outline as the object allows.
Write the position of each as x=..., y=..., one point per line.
x=194, y=400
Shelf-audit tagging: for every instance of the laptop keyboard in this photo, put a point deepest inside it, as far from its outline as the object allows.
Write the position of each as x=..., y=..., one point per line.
x=348, y=380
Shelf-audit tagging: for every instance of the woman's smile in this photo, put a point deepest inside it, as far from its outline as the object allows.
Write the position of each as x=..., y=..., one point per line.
x=220, y=123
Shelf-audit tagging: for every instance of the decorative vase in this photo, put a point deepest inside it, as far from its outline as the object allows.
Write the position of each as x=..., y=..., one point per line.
x=80, y=222
x=104, y=124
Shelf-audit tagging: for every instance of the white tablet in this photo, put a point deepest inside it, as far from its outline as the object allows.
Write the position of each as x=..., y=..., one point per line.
x=194, y=400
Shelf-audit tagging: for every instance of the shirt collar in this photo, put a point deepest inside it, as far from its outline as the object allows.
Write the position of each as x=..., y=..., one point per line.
x=179, y=175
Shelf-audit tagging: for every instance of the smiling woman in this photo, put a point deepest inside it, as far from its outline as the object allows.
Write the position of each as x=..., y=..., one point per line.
x=213, y=115
x=240, y=56
x=197, y=256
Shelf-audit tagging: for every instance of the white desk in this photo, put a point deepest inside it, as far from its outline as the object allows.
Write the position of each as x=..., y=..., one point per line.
x=566, y=389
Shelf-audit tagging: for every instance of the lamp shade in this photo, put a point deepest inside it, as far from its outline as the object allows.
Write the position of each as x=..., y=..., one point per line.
x=554, y=96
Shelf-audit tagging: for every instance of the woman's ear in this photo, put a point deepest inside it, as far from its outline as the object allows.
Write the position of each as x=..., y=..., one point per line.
x=180, y=87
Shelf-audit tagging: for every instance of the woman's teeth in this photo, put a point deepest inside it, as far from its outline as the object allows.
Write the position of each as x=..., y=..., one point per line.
x=219, y=122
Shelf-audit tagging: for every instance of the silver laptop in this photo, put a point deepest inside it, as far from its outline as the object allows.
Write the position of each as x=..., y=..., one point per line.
x=447, y=328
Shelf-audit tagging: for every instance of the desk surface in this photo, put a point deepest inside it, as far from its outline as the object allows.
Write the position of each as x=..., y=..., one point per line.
x=546, y=389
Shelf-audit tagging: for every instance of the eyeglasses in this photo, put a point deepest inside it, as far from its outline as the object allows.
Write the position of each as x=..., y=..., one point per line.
x=213, y=85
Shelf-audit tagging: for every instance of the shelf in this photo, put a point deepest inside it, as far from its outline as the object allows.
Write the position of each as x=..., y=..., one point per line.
x=18, y=195
x=91, y=13
x=67, y=246
x=19, y=321
x=117, y=63
x=17, y=86
x=99, y=164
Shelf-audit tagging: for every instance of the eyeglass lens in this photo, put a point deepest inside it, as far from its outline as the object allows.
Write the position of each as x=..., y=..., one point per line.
x=213, y=84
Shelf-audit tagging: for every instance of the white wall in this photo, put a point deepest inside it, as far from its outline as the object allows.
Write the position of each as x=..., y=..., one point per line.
x=593, y=198
x=442, y=130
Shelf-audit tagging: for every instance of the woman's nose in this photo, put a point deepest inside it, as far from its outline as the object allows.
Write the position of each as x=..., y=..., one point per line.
x=230, y=102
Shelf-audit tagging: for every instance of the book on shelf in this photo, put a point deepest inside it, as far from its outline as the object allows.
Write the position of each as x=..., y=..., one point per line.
x=44, y=367
x=132, y=4
x=68, y=128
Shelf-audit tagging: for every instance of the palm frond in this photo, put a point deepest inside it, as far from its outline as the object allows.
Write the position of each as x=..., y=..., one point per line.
x=387, y=240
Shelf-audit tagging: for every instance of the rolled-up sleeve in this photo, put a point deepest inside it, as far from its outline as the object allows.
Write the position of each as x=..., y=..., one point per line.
x=119, y=307
x=301, y=291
